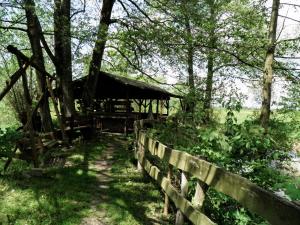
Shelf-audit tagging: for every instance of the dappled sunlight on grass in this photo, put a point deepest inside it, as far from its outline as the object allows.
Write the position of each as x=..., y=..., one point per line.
x=82, y=189
x=62, y=196
x=133, y=199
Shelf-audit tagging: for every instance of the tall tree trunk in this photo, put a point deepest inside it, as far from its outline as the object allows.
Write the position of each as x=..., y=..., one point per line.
x=29, y=123
x=268, y=67
x=34, y=34
x=191, y=101
x=210, y=63
x=98, y=51
x=63, y=55
x=190, y=57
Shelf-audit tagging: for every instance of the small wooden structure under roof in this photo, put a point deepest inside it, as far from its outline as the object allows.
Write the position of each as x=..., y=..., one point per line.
x=119, y=101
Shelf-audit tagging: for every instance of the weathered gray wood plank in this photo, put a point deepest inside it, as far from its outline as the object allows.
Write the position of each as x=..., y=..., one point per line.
x=274, y=209
x=180, y=202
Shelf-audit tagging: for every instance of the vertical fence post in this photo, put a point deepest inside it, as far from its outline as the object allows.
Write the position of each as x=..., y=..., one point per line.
x=139, y=166
x=167, y=200
x=199, y=196
x=137, y=144
x=184, y=190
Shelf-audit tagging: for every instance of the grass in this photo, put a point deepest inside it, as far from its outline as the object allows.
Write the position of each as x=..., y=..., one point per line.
x=66, y=196
x=133, y=199
x=63, y=197
x=220, y=115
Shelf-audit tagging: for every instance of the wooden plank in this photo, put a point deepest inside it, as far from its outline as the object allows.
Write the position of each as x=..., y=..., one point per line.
x=184, y=187
x=167, y=202
x=180, y=202
x=274, y=209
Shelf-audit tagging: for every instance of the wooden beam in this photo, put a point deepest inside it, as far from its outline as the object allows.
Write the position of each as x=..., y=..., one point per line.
x=184, y=187
x=167, y=201
x=274, y=209
x=180, y=202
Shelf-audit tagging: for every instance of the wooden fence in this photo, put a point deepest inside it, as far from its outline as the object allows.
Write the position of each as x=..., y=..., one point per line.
x=274, y=209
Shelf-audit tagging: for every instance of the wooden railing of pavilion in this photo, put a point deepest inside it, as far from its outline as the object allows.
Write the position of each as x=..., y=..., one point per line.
x=272, y=208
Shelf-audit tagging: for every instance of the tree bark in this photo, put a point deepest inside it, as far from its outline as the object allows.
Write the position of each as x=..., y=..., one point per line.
x=190, y=69
x=210, y=63
x=268, y=67
x=63, y=55
x=191, y=100
x=29, y=124
x=98, y=51
x=34, y=33
x=13, y=79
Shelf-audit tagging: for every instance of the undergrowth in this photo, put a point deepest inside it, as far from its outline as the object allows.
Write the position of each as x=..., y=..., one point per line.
x=240, y=147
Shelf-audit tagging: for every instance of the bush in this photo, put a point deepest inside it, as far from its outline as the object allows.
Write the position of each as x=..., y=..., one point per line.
x=8, y=139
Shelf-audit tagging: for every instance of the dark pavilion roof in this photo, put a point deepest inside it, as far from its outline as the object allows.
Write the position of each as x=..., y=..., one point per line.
x=114, y=86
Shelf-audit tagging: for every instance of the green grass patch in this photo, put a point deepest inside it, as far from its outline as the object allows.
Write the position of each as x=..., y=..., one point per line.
x=133, y=199
x=64, y=196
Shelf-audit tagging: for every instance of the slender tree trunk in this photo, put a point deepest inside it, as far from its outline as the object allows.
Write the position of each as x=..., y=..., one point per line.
x=98, y=51
x=191, y=101
x=190, y=59
x=63, y=55
x=268, y=67
x=210, y=64
x=34, y=34
x=29, y=123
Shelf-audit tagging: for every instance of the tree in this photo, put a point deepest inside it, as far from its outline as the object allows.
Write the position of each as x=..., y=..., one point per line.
x=63, y=55
x=35, y=35
x=268, y=67
x=98, y=51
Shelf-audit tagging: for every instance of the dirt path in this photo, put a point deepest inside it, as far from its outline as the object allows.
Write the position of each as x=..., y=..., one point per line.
x=103, y=167
x=123, y=195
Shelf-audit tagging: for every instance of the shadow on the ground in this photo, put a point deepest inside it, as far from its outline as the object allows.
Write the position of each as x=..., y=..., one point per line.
x=132, y=196
x=61, y=196
x=70, y=194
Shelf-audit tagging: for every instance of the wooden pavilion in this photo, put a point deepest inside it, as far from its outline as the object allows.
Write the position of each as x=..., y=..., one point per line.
x=119, y=101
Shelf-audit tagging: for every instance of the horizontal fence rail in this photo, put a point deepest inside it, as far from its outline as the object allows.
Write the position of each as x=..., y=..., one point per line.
x=274, y=209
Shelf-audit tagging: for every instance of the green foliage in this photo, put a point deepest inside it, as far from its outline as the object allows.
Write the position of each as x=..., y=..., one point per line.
x=224, y=210
x=240, y=147
x=8, y=139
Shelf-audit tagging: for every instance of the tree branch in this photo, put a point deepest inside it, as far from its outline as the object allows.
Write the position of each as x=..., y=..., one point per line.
x=13, y=28
x=79, y=11
x=298, y=21
x=142, y=11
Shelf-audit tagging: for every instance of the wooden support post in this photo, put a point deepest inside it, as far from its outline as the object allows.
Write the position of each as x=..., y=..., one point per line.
x=184, y=190
x=140, y=105
x=168, y=107
x=145, y=106
x=199, y=196
x=161, y=107
x=157, y=103
x=140, y=148
x=167, y=200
